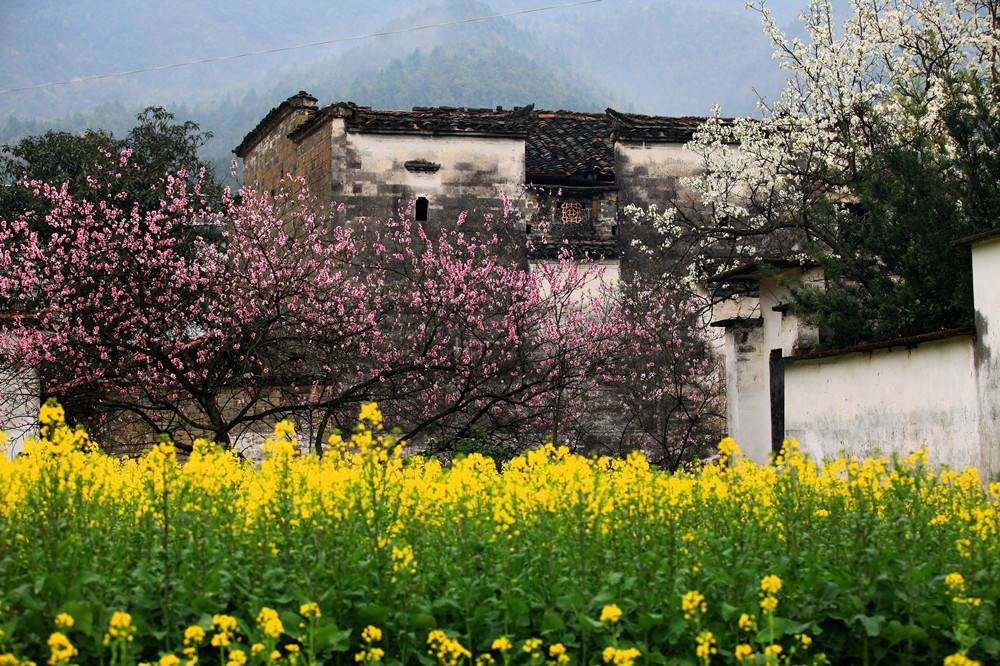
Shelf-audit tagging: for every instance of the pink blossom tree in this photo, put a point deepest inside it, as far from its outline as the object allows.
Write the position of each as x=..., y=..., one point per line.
x=216, y=322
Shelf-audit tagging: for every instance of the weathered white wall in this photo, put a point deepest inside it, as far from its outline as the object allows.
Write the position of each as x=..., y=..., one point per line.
x=986, y=292
x=660, y=159
x=887, y=401
x=18, y=407
x=748, y=411
x=595, y=279
x=472, y=172
x=747, y=352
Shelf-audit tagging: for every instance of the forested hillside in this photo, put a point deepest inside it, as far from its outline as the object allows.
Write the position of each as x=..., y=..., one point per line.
x=654, y=56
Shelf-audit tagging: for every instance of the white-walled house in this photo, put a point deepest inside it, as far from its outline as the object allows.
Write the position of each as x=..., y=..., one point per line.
x=940, y=390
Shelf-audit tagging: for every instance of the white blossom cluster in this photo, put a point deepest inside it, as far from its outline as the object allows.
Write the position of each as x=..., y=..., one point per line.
x=887, y=59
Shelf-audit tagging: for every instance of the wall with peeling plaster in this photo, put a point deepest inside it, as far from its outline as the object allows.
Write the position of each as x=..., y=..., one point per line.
x=942, y=393
x=887, y=401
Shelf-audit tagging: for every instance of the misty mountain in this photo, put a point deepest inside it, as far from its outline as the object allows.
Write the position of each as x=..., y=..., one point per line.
x=673, y=57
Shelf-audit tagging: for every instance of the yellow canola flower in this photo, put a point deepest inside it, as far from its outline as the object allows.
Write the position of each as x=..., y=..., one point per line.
x=959, y=659
x=501, y=644
x=51, y=413
x=237, y=658
x=119, y=628
x=370, y=413
x=619, y=657
x=729, y=448
x=557, y=651
x=414, y=504
x=194, y=635
x=770, y=584
x=448, y=651
x=705, y=645
x=371, y=634
x=64, y=621
x=955, y=581
x=310, y=610
x=743, y=652
x=61, y=651
x=269, y=622
x=611, y=613
x=693, y=603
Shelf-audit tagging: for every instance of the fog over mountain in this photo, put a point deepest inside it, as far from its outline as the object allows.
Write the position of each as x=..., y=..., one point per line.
x=674, y=57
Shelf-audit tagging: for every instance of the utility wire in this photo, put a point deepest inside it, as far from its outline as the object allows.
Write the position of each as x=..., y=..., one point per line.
x=281, y=49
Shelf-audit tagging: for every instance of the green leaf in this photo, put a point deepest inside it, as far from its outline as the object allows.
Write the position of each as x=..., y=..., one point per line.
x=897, y=632
x=552, y=622
x=990, y=645
x=422, y=621
x=82, y=614
x=872, y=625
x=373, y=614
x=331, y=638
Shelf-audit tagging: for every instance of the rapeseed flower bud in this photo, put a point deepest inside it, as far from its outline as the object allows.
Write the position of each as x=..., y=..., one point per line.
x=310, y=610
x=501, y=644
x=693, y=603
x=705, y=645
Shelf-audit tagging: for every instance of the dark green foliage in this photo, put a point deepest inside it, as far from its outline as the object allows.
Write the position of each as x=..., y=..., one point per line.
x=159, y=145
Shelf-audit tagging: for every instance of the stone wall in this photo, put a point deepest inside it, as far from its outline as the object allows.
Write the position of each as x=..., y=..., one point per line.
x=274, y=155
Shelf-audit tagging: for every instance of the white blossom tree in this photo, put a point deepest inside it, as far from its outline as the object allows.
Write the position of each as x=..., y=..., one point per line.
x=900, y=84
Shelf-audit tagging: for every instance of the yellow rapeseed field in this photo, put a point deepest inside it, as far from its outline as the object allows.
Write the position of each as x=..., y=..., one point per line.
x=367, y=556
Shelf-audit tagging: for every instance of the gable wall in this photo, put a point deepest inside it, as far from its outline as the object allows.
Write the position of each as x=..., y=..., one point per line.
x=473, y=170
x=275, y=155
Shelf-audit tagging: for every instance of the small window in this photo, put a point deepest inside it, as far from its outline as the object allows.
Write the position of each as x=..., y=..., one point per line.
x=614, y=229
x=527, y=229
x=421, y=211
x=572, y=212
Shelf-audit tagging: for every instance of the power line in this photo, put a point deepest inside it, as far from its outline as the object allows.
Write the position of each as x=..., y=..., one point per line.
x=281, y=49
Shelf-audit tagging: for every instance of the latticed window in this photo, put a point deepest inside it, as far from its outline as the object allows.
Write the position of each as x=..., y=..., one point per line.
x=571, y=212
